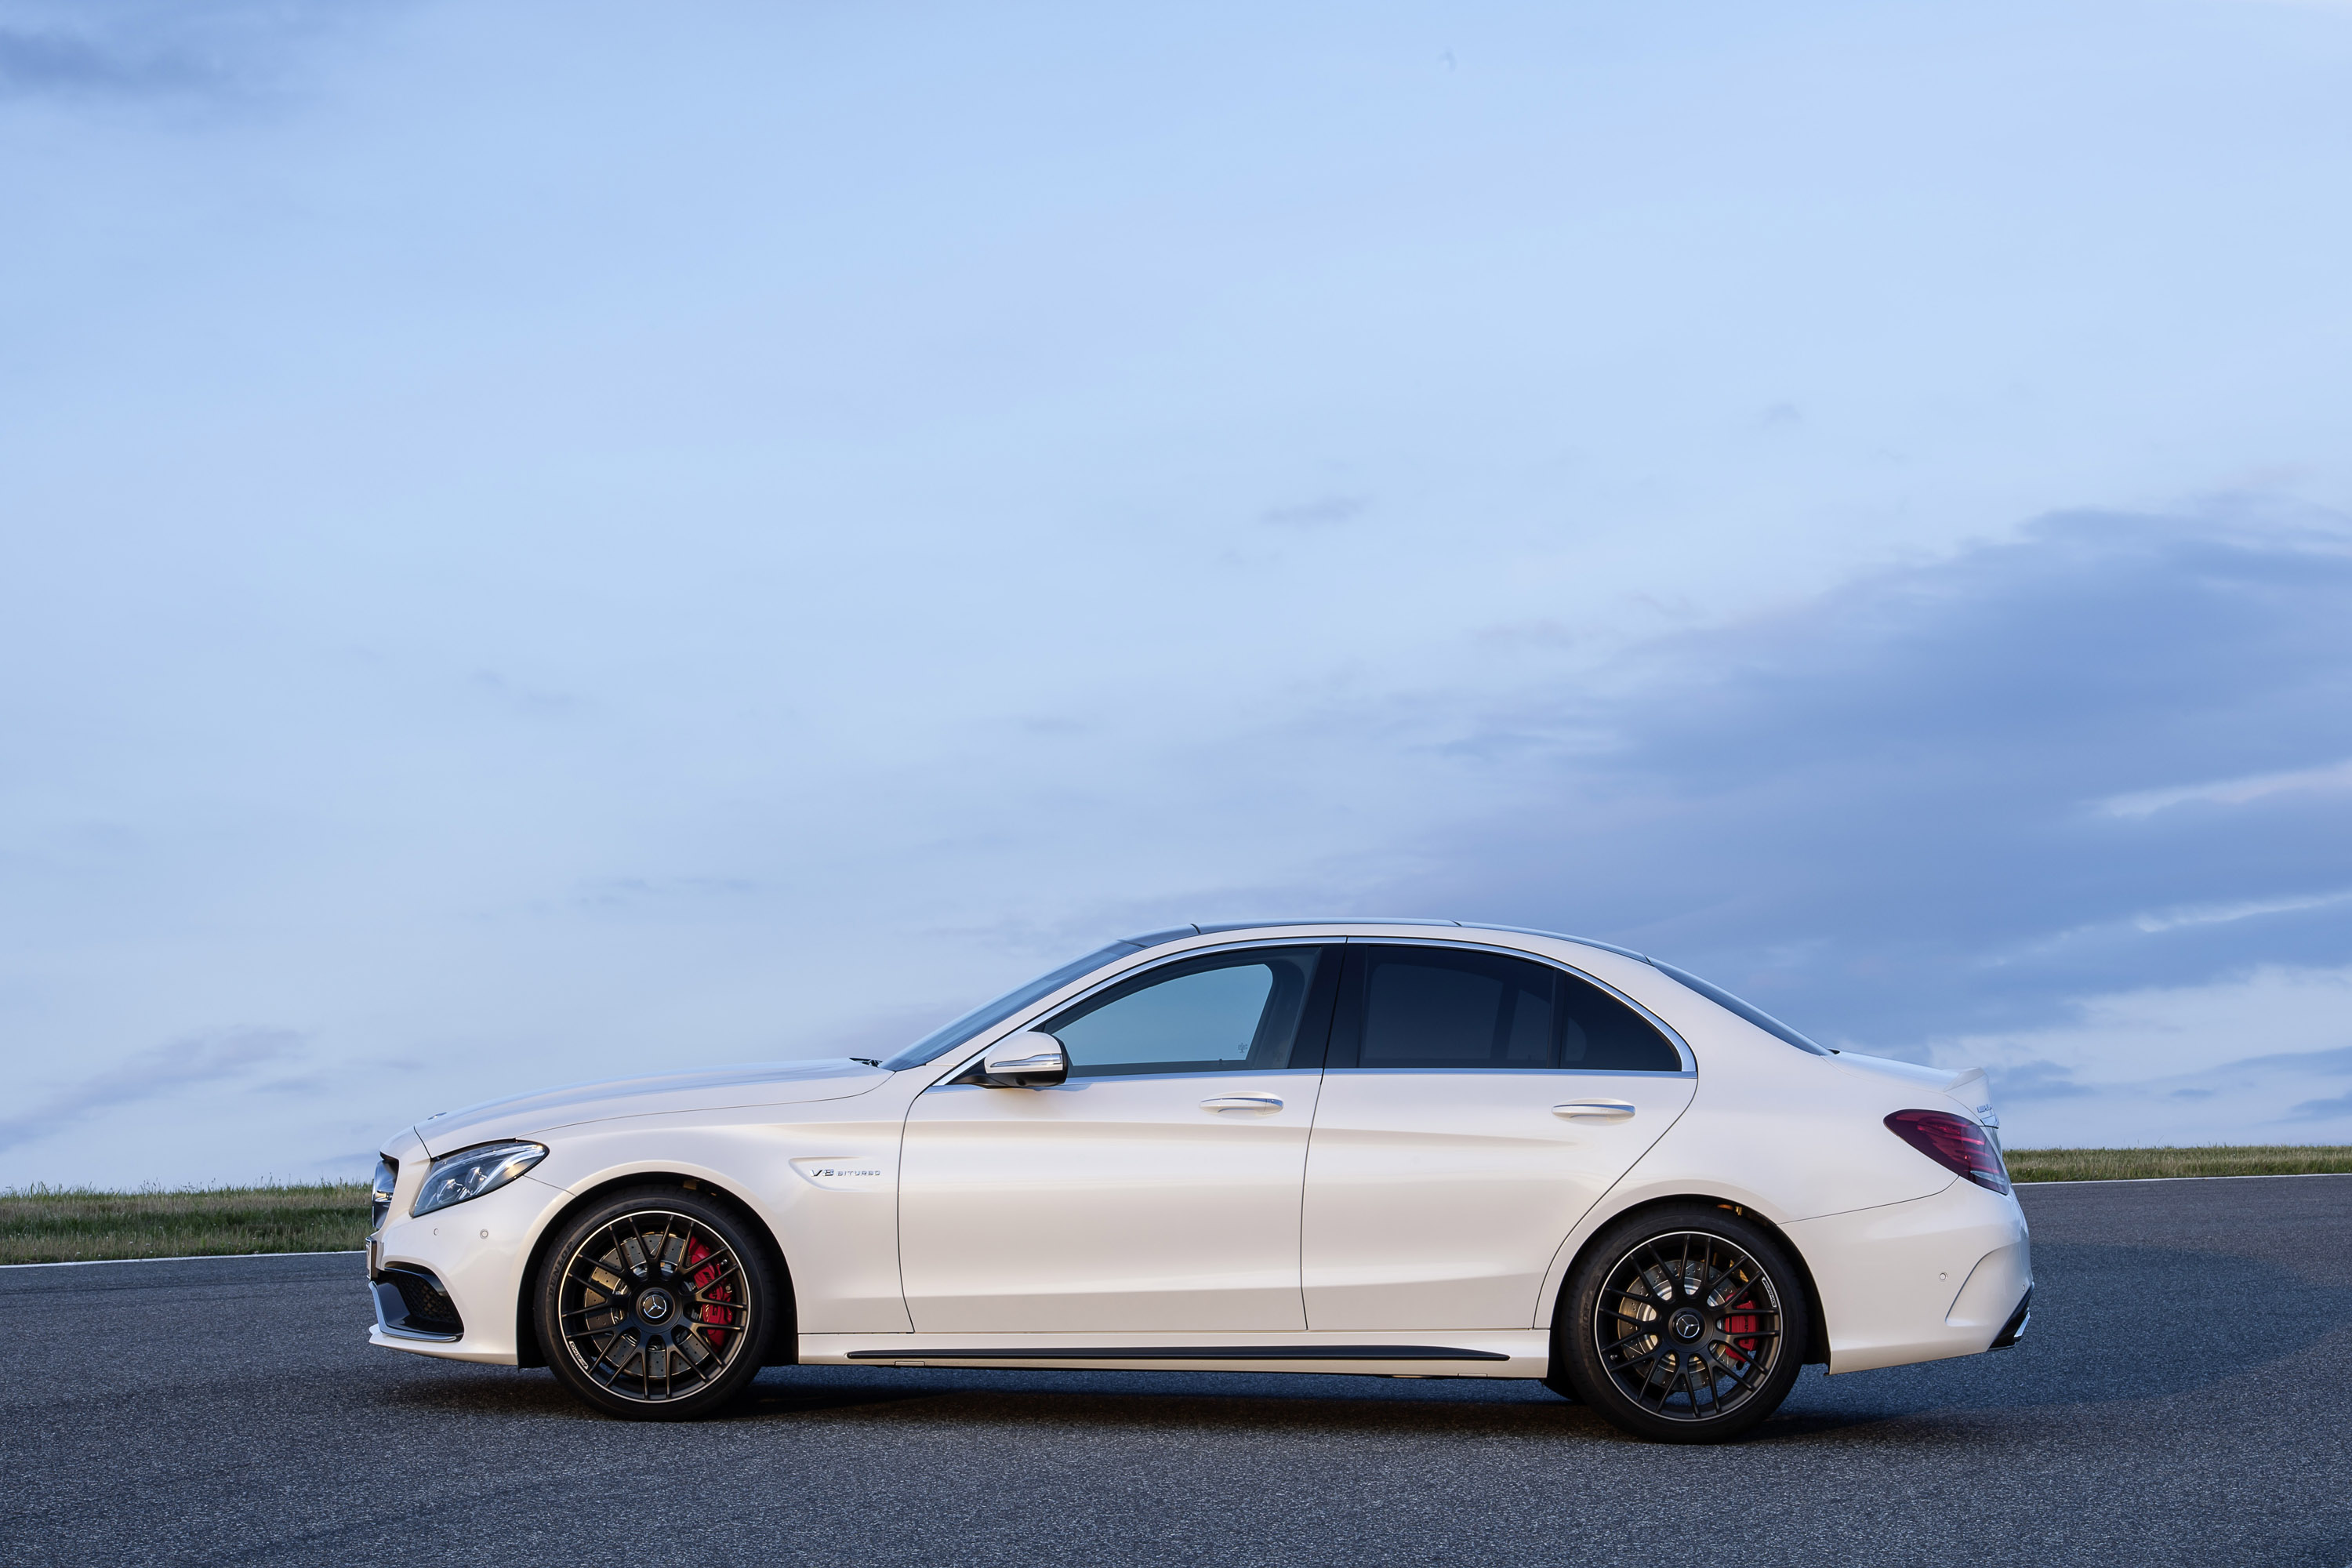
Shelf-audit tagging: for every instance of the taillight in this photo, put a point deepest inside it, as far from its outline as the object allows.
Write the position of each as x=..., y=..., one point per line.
x=1953, y=1143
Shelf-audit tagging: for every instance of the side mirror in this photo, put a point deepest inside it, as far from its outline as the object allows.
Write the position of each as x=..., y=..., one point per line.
x=1028, y=1060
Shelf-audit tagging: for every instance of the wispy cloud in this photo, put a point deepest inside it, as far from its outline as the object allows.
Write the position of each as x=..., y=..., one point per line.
x=2037, y=1080
x=1866, y=808
x=63, y=62
x=1325, y=511
x=220, y=1056
x=2220, y=914
x=2228, y=792
x=132, y=49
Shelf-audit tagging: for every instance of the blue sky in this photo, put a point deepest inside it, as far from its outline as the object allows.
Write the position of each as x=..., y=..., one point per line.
x=548, y=543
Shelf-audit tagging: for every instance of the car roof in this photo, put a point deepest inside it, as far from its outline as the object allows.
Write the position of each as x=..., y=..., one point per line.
x=1177, y=933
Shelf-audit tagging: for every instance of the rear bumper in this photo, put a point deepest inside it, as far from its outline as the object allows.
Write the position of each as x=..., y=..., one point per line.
x=2014, y=1330
x=1943, y=1276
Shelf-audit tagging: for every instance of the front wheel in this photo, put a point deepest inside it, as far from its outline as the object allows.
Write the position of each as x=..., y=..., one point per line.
x=1683, y=1324
x=657, y=1305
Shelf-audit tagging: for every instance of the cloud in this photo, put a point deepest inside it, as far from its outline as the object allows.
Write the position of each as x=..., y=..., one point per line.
x=2036, y=1080
x=2215, y=914
x=2334, y=1061
x=2228, y=792
x=132, y=49
x=1867, y=809
x=1315, y=513
x=61, y=62
x=220, y=1056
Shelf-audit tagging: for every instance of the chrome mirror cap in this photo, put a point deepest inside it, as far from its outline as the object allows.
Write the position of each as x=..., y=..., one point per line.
x=1031, y=1059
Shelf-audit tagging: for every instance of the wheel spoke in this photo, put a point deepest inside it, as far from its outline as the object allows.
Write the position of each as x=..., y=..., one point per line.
x=1706, y=1377
x=606, y=1359
x=723, y=1268
x=1744, y=1377
x=606, y=1338
x=662, y=1247
x=606, y=1305
x=1626, y=1363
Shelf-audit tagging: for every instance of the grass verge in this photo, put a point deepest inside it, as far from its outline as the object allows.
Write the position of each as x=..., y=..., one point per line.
x=2201, y=1160
x=72, y=1225
x=69, y=1224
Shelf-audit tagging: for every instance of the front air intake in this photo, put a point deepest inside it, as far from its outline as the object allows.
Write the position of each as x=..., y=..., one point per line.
x=410, y=1300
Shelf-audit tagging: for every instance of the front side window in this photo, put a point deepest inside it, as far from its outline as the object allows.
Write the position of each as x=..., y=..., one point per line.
x=1235, y=1011
x=987, y=1015
x=1429, y=1008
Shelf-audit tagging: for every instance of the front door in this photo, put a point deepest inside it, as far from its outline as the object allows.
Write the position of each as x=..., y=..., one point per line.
x=1158, y=1190
x=1475, y=1106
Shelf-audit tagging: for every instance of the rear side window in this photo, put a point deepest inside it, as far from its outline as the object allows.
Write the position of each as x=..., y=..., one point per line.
x=1433, y=1008
x=1255, y=1010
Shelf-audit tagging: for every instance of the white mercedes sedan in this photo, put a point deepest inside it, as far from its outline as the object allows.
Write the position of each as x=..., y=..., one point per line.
x=1400, y=1148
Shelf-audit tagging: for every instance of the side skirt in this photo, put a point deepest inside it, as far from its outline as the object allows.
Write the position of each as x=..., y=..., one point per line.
x=1492, y=1353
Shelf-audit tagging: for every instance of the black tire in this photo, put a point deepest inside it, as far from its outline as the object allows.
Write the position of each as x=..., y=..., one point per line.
x=1685, y=1323
x=657, y=1304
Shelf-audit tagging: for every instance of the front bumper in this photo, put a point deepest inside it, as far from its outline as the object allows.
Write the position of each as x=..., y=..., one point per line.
x=451, y=1283
x=410, y=1303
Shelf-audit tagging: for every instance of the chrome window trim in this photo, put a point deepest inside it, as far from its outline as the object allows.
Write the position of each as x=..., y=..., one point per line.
x=1558, y=936
x=1517, y=1072
x=1161, y=1077
x=1155, y=958
x=1673, y=1035
x=1149, y=959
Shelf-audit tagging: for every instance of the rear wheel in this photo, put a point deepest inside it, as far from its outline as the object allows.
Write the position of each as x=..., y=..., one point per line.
x=656, y=1304
x=1683, y=1324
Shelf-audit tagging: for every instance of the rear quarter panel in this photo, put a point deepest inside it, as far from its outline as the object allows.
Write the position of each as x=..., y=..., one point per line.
x=1772, y=1128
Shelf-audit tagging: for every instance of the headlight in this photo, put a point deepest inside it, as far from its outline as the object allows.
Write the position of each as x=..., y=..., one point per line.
x=470, y=1172
x=388, y=1176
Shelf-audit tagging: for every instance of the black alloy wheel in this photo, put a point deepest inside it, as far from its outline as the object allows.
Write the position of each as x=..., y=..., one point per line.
x=657, y=1304
x=1683, y=1324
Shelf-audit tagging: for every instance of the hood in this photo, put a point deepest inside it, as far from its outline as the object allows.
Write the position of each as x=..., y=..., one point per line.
x=711, y=1089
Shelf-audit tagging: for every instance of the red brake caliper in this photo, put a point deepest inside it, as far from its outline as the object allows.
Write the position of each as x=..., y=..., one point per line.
x=696, y=1251
x=1742, y=1323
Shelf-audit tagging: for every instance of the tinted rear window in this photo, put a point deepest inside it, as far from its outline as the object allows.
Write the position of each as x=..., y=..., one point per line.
x=1441, y=1008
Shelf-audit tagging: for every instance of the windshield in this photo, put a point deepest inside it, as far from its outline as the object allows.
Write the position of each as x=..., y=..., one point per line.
x=1754, y=1015
x=947, y=1036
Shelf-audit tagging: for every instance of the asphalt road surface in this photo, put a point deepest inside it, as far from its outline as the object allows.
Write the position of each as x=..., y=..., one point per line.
x=2185, y=1396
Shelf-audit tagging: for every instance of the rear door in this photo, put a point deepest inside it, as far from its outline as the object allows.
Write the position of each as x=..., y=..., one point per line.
x=1475, y=1104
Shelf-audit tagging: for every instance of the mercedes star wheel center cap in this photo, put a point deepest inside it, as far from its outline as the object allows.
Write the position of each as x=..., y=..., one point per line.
x=654, y=1306
x=1687, y=1324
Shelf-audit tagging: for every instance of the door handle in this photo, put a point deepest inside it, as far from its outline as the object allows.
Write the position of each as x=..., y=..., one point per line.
x=1594, y=1111
x=1258, y=1102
